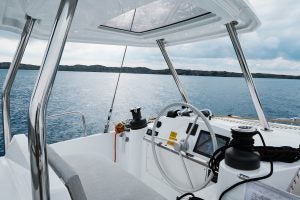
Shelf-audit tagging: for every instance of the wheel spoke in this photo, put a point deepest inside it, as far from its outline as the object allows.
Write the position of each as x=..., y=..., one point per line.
x=186, y=171
x=160, y=138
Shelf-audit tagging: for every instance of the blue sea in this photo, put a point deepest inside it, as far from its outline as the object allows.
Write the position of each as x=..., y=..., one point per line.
x=91, y=93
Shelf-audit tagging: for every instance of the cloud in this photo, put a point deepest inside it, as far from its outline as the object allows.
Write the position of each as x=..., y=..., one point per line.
x=8, y=47
x=280, y=21
x=273, y=48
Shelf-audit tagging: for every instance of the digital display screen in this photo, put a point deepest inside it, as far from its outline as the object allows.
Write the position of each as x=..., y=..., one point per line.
x=204, y=145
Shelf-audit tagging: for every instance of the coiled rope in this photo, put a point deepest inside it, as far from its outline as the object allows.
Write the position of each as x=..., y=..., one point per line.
x=267, y=153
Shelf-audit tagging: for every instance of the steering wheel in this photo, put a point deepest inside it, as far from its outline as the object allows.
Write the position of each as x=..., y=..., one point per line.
x=182, y=146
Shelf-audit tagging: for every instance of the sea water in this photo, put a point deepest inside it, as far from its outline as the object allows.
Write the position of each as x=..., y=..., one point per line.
x=91, y=93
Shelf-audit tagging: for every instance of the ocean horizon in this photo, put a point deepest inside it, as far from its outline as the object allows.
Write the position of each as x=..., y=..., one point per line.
x=91, y=93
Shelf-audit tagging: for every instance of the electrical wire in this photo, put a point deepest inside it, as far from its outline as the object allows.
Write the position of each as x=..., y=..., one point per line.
x=193, y=197
x=252, y=179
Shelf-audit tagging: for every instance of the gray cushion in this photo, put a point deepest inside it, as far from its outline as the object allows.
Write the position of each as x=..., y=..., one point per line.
x=104, y=180
x=67, y=174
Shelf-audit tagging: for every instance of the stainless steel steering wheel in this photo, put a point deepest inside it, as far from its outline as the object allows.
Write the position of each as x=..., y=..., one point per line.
x=182, y=146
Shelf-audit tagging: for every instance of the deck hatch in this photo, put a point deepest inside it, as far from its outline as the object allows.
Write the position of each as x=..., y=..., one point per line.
x=156, y=15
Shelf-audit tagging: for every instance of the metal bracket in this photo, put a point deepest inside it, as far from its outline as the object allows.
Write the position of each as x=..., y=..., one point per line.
x=72, y=113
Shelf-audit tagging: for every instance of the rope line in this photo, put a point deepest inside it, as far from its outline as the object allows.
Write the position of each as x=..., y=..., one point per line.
x=118, y=80
x=251, y=179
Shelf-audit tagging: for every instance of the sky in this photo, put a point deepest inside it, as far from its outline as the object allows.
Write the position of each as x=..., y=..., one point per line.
x=273, y=48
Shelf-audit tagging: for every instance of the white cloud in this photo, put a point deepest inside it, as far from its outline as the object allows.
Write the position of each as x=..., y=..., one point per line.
x=8, y=47
x=273, y=48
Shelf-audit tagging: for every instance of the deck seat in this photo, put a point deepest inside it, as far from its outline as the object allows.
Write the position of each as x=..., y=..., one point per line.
x=104, y=180
x=70, y=177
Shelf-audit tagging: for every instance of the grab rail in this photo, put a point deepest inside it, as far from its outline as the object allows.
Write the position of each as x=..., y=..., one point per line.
x=39, y=100
x=293, y=120
x=10, y=77
x=72, y=113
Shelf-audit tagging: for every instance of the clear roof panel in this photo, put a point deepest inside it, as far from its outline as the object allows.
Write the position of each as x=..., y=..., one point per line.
x=156, y=15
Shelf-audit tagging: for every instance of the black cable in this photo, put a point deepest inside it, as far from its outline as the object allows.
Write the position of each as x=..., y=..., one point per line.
x=261, y=138
x=282, y=154
x=216, y=158
x=267, y=153
x=193, y=197
x=184, y=195
x=252, y=179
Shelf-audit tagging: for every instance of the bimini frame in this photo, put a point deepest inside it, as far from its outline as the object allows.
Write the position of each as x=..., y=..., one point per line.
x=39, y=100
x=247, y=74
x=10, y=77
x=244, y=66
x=179, y=85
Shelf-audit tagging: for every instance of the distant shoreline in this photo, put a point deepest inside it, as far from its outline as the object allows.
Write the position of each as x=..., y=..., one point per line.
x=144, y=70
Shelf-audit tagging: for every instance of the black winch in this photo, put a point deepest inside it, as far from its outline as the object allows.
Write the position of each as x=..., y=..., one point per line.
x=137, y=121
x=241, y=155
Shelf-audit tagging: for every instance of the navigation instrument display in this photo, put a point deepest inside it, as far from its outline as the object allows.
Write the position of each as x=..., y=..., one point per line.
x=204, y=145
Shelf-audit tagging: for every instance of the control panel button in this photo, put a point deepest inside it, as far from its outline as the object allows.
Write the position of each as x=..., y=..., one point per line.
x=149, y=132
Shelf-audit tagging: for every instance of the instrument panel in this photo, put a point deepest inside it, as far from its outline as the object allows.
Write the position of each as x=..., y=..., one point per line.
x=172, y=130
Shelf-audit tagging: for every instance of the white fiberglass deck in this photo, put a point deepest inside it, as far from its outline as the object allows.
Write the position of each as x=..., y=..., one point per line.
x=90, y=154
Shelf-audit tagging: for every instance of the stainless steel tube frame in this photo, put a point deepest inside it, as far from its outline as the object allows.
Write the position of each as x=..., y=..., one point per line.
x=10, y=77
x=39, y=100
x=248, y=76
x=72, y=113
x=162, y=48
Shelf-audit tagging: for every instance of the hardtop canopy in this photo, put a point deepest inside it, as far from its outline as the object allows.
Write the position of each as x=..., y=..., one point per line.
x=108, y=21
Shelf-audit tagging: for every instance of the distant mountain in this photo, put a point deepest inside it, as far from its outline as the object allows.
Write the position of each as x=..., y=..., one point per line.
x=144, y=70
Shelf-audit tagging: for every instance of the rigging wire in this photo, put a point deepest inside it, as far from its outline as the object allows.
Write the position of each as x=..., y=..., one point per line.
x=118, y=80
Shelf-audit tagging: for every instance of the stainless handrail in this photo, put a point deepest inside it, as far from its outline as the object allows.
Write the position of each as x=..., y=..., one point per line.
x=39, y=100
x=247, y=74
x=10, y=77
x=293, y=120
x=72, y=113
x=180, y=87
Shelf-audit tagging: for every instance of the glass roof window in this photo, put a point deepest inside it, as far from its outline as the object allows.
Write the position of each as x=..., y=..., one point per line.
x=156, y=15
